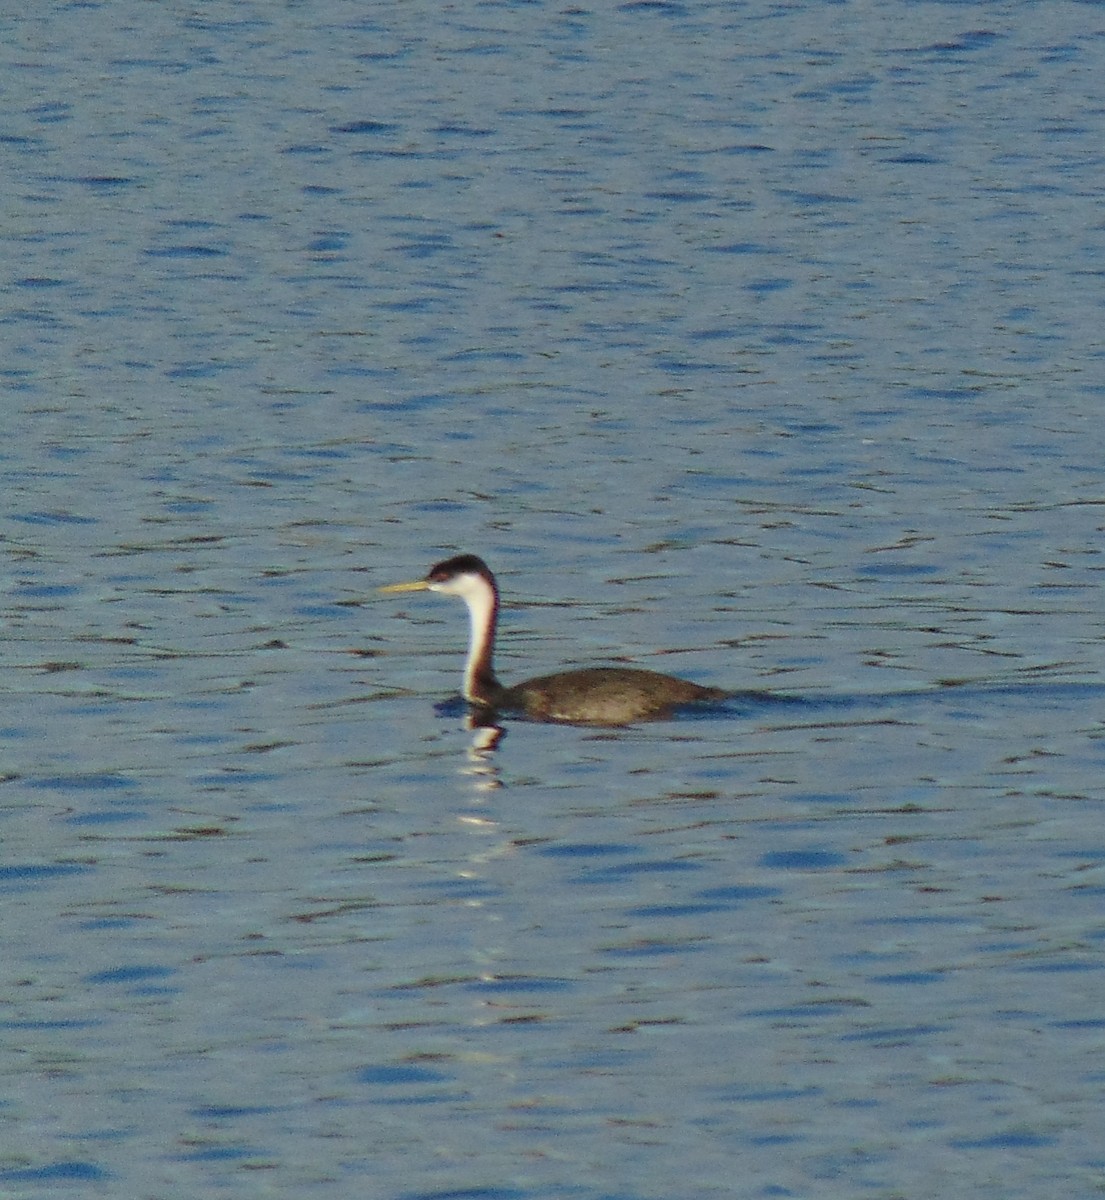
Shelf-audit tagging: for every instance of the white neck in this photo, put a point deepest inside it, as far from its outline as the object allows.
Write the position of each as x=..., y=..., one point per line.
x=483, y=608
x=481, y=618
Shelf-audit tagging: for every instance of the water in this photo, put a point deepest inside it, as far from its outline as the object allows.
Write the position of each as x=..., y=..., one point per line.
x=766, y=336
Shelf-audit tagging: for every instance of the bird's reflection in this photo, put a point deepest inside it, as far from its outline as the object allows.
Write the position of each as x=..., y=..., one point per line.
x=487, y=733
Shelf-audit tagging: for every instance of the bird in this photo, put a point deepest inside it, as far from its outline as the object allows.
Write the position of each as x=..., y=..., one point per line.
x=588, y=696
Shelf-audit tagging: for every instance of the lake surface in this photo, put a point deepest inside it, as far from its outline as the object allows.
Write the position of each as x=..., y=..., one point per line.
x=756, y=342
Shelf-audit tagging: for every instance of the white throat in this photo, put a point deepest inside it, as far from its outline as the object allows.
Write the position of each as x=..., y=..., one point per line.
x=482, y=604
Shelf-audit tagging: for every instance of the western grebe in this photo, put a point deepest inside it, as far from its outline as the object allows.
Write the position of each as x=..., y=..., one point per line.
x=593, y=695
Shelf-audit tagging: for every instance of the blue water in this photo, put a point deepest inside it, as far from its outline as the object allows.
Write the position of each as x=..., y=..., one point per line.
x=758, y=343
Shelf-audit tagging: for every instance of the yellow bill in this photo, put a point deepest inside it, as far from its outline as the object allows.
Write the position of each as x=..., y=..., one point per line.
x=416, y=585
